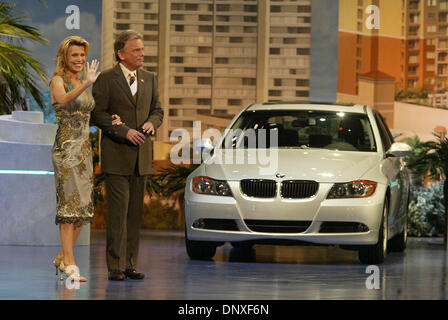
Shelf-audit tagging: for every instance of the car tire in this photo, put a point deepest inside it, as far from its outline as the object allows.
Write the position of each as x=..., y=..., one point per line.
x=398, y=242
x=375, y=254
x=200, y=250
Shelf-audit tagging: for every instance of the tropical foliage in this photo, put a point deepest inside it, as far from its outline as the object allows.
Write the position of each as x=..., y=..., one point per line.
x=18, y=69
x=411, y=94
x=158, y=216
x=427, y=206
x=169, y=184
x=100, y=177
x=429, y=158
x=426, y=215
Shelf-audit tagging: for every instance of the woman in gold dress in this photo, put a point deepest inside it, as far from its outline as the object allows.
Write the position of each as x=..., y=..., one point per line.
x=72, y=156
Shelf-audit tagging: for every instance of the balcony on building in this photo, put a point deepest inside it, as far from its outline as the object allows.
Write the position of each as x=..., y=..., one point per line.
x=443, y=4
x=413, y=45
x=413, y=31
x=442, y=70
x=414, y=5
x=414, y=18
x=442, y=57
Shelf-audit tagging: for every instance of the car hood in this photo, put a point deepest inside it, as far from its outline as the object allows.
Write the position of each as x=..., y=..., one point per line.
x=320, y=165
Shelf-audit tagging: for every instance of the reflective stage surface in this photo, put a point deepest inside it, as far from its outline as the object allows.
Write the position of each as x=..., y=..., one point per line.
x=263, y=273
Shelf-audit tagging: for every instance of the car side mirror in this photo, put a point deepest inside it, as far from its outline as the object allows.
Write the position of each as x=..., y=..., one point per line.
x=399, y=149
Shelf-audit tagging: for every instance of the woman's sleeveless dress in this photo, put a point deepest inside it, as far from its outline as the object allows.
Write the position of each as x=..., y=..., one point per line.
x=72, y=160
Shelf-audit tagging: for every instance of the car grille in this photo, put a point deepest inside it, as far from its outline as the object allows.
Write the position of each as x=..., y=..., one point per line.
x=259, y=188
x=277, y=226
x=299, y=189
x=292, y=189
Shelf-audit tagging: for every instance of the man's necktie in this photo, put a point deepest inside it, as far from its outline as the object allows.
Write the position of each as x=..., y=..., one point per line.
x=133, y=85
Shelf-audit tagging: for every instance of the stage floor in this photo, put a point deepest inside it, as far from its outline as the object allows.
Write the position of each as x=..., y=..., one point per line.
x=265, y=273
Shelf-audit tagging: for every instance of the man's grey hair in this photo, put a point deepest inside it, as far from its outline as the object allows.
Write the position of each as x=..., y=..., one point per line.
x=124, y=37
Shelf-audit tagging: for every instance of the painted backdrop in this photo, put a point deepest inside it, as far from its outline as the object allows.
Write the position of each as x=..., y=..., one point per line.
x=51, y=20
x=54, y=24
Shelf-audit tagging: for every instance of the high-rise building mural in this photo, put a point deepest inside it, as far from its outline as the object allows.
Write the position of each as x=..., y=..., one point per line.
x=410, y=44
x=214, y=57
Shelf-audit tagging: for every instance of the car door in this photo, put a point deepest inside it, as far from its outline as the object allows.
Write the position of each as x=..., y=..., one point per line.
x=393, y=169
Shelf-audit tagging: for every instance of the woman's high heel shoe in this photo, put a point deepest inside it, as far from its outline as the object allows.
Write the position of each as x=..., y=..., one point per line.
x=71, y=271
x=57, y=262
x=61, y=268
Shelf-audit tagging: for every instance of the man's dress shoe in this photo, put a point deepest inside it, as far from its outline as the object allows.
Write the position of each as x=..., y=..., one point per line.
x=116, y=276
x=132, y=274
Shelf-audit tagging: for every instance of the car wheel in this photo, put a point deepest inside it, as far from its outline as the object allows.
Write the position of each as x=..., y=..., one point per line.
x=200, y=250
x=242, y=245
x=398, y=242
x=375, y=254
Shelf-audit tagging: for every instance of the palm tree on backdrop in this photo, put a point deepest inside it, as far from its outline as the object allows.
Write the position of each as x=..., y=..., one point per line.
x=170, y=183
x=18, y=69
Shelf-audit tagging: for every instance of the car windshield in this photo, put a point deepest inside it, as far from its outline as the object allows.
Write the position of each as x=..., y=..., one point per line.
x=301, y=129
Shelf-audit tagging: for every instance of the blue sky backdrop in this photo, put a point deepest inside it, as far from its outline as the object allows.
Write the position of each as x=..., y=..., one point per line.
x=50, y=21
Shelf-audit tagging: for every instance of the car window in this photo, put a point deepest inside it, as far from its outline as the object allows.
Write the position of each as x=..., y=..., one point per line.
x=302, y=129
x=386, y=128
x=386, y=136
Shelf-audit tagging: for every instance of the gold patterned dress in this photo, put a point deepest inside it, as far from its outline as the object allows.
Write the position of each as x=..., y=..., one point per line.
x=72, y=160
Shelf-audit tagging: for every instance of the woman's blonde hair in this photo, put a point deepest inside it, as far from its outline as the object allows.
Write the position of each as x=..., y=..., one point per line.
x=61, y=56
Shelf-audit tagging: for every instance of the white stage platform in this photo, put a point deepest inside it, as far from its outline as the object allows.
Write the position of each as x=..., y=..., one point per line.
x=27, y=187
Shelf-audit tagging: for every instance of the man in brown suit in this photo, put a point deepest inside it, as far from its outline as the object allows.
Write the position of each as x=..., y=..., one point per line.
x=126, y=151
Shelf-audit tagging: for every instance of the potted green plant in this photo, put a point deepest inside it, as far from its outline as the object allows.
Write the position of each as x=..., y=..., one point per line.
x=430, y=159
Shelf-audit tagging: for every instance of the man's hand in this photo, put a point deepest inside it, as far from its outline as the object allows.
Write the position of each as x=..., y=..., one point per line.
x=135, y=137
x=148, y=128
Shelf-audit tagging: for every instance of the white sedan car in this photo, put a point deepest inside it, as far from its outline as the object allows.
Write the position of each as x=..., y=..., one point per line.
x=301, y=174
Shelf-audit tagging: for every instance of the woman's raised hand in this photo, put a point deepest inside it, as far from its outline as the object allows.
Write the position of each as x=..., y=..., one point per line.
x=116, y=120
x=92, y=73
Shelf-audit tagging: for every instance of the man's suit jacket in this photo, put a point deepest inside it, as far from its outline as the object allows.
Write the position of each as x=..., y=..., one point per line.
x=113, y=96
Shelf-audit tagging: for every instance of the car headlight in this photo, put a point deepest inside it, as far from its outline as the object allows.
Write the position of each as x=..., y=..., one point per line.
x=353, y=189
x=206, y=185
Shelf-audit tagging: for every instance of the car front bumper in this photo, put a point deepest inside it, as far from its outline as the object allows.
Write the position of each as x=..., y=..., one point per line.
x=316, y=211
